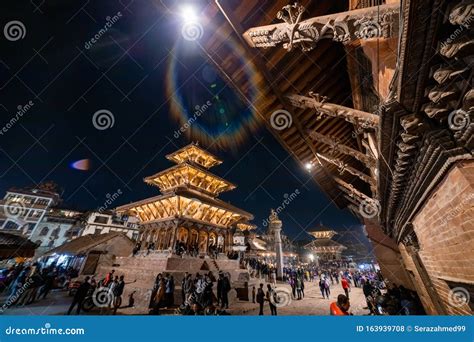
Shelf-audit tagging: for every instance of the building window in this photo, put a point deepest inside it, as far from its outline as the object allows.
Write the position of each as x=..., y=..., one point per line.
x=42, y=202
x=31, y=226
x=101, y=219
x=11, y=225
x=55, y=233
x=44, y=231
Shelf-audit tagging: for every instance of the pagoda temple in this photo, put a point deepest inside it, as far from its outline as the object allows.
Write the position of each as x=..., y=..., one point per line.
x=325, y=248
x=188, y=211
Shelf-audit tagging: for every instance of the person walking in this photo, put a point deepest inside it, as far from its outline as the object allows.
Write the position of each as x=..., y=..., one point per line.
x=260, y=299
x=272, y=299
x=80, y=295
x=345, y=286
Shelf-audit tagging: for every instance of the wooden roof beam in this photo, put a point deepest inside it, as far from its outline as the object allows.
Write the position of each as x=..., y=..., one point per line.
x=346, y=27
x=336, y=146
x=356, y=117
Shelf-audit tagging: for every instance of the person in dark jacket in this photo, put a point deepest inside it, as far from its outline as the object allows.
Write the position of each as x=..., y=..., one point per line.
x=169, y=292
x=260, y=299
x=223, y=288
x=80, y=295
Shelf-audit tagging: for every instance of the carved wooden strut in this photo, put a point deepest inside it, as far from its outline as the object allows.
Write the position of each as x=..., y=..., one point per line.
x=366, y=23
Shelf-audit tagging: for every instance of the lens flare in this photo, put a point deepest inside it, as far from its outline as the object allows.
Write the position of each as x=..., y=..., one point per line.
x=83, y=165
x=228, y=121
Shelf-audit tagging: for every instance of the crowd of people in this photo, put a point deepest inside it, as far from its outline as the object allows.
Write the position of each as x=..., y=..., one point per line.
x=25, y=284
x=197, y=294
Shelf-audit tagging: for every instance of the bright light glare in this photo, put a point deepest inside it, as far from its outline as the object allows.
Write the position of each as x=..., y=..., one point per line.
x=311, y=257
x=188, y=13
x=308, y=166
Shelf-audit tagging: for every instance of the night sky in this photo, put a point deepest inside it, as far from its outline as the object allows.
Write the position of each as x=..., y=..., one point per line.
x=125, y=73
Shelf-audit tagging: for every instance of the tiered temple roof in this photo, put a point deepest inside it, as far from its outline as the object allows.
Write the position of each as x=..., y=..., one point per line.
x=324, y=245
x=189, y=192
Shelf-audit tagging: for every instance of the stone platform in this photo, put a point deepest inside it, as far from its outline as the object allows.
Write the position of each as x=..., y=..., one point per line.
x=144, y=269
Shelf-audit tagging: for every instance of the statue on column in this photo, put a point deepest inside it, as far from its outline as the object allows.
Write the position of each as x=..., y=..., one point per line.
x=275, y=228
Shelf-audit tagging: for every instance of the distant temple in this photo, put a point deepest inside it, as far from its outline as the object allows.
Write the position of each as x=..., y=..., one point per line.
x=188, y=211
x=324, y=247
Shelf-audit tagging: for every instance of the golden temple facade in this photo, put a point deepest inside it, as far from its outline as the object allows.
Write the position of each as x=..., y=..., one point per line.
x=323, y=246
x=188, y=213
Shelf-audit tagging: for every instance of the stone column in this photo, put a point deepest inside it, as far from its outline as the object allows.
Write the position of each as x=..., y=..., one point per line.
x=275, y=228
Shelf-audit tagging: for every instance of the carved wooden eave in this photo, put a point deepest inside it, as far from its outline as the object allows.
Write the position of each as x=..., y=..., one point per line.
x=171, y=207
x=367, y=23
x=343, y=167
x=194, y=154
x=427, y=125
x=360, y=119
x=341, y=148
x=189, y=175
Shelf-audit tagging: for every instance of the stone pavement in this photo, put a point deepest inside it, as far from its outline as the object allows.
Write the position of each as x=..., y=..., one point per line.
x=313, y=304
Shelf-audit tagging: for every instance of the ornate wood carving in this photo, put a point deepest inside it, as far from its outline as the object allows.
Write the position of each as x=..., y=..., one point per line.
x=357, y=117
x=342, y=167
x=373, y=22
x=337, y=146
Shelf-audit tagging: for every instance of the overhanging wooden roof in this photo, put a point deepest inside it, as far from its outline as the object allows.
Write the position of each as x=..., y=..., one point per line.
x=12, y=246
x=322, y=70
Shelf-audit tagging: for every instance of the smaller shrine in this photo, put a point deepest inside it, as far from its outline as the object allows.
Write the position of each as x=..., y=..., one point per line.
x=324, y=246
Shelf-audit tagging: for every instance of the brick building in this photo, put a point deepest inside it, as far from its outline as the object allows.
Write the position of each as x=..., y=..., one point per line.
x=375, y=99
